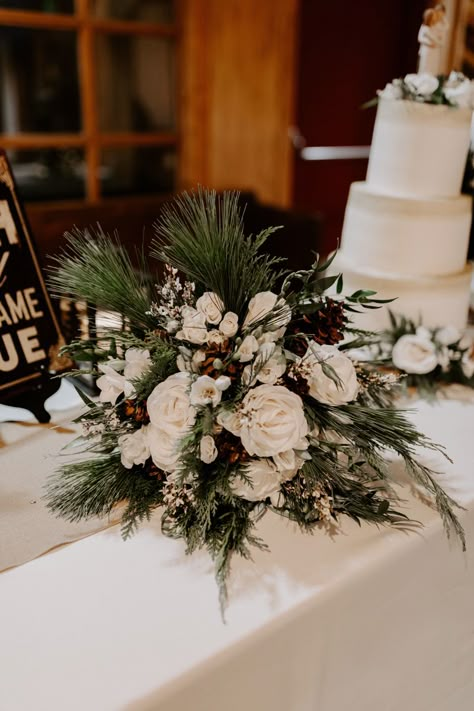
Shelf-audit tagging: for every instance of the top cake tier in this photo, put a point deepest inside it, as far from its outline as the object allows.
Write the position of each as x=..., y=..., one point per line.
x=418, y=149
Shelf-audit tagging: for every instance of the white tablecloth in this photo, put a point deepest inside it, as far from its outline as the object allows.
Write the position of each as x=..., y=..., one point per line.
x=373, y=620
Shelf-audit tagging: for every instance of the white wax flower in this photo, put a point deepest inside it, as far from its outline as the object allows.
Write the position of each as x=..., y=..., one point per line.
x=321, y=386
x=204, y=391
x=273, y=367
x=211, y=306
x=414, y=354
x=260, y=306
x=169, y=406
x=134, y=448
x=194, y=327
x=137, y=362
x=229, y=324
x=448, y=335
x=265, y=480
x=423, y=84
x=247, y=349
x=164, y=449
x=112, y=384
x=207, y=449
x=270, y=420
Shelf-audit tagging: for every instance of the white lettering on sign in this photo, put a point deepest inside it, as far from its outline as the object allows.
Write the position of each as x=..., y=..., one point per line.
x=11, y=360
x=30, y=344
x=6, y=223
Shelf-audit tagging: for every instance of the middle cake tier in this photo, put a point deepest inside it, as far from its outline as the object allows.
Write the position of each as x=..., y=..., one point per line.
x=404, y=236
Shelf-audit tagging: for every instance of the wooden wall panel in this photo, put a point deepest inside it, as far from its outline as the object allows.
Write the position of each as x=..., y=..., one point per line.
x=238, y=95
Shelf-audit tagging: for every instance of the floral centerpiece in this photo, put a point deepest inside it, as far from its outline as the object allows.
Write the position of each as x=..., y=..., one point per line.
x=454, y=90
x=226, y=396
x=428, y=358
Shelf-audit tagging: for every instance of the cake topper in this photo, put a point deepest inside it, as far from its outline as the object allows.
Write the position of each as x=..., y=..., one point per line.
x=432, y=37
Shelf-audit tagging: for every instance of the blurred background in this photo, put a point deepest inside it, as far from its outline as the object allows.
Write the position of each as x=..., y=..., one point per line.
x=108, y=108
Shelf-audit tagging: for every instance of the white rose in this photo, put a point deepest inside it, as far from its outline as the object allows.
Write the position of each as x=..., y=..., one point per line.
x=322, y=387
x=423, y=332
x=112, y=384
x=137, y=362
x=172, y=326
x=247, y=349
x=448, y=335
x=391, y=91
x=265, y=481
x=260, y=306
x=211, y=306
x=414, y=354
x=272, y=368
x=207, y=449
x=270, y=420
x=169, y=406
x=164, y=449
x=467, y=364
x=291, y=459
x=229, y=324
x=422, y=84
x=134, y=448
x=183, y=364
x=460, y=92
x=198, y=358
x=271, y=336
x=204, y=391
x=194, y=327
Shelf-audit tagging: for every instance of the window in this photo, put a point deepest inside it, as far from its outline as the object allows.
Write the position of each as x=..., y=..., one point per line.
x=88, y=97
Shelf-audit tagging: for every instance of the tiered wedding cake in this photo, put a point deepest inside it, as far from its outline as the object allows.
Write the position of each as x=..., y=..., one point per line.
x=406, y=228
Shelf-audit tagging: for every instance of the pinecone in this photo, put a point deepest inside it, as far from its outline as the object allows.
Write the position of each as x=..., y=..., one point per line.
x=136, y=410
x=325, y=326
x=295, y=382
x=231, y=448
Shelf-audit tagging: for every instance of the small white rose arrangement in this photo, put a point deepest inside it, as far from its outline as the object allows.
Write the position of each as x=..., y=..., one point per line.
x=454, y=90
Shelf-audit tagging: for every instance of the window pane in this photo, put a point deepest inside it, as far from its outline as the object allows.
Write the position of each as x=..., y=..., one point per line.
x=148, y=169
x=61, y=6
x=38, y=81
x=143, y=11
x=135, y=83
x=49, y=173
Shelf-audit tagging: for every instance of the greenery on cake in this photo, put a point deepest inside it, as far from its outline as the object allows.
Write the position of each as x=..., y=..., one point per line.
x=428, y=358
x=227, y=394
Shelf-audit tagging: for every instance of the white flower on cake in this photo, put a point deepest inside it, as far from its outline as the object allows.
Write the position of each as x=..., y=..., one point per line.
x=229, y=324
x=392, y=91
x=422, y=84
x=265, y=481
x=467, y=363
x=194, y=327
x=134, y=448
x=207, y=449
x=211, y=306
x=448, y=335
x=247, y=349
x=169, y=406
x=204, y=391
x=414, y=354
x=112, y=384
x=458, y=89
x=137, y=362
x=321, y=386
x=270, y=420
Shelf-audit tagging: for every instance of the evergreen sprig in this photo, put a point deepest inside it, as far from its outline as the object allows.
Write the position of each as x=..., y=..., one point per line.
x=96, y=268
x=201, y=234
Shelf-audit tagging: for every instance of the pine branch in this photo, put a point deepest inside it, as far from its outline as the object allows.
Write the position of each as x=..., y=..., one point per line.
x=96, y=268
x=201, y=234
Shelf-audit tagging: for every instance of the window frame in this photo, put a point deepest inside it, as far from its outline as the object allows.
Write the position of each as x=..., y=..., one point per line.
x=91, y=138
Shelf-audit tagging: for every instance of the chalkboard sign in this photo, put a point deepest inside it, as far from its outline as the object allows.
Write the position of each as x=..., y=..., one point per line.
x=29, y=331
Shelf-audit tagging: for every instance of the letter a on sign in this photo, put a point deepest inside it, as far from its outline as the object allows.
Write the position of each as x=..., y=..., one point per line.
x=29, y=332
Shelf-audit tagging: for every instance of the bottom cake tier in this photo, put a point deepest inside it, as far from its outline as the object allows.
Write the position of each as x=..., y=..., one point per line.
x=434, y=301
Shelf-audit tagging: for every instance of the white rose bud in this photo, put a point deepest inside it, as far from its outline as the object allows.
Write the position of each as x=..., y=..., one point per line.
x=198, y=358
x=112, y=384
x=260, y=306
x=247, y=349
x=448, y=335
x=414, y=354
x=204, y=391
x=215, y=337
x=194, y=328
x=229, y=324
x=208, y=450
x=273, y=368
x=137, y=362
x=223, y=382
x=422, y=84
x=134, y=449
x=211, y=306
